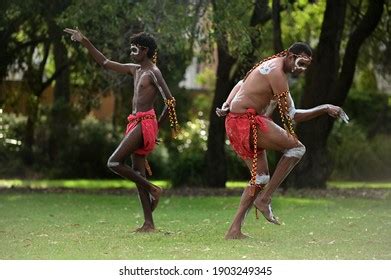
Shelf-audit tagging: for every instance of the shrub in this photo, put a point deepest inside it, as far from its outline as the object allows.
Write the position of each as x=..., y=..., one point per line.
x=357, y=158
x=11, y=134
x=187, y=161
x=89, y=146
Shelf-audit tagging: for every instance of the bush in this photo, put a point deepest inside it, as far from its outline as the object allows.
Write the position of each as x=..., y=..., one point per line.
x=11, y=131
x=357, y=158
x=362, y=149
x=89, y=146
x=159, y=162
x=187, y=162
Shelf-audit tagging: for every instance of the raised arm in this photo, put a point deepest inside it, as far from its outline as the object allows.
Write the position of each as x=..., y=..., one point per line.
x=223, y=111
x=126, y=68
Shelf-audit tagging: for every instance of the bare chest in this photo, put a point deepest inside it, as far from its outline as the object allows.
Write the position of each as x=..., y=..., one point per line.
x=142, y=81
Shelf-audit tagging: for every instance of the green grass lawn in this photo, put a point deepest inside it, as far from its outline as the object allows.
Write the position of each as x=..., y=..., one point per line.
x=90, y=226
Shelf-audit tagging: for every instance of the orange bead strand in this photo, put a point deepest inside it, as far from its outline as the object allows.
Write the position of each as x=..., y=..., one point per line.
x=172, y=117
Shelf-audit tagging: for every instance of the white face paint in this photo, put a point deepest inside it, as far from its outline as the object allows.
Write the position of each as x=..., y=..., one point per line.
x=134, y=50
x=301, y=67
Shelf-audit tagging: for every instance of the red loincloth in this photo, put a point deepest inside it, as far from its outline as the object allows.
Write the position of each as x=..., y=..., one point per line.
x=238, y=131
x=149, y=130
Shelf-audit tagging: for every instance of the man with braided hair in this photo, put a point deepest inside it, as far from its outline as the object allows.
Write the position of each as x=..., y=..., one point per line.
x=141, y=132
x=251, y=131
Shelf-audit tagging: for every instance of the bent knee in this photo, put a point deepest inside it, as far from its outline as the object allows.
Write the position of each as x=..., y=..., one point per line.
x=296, y=152
x=112, y=163
x=262, y=179
x=138, y=171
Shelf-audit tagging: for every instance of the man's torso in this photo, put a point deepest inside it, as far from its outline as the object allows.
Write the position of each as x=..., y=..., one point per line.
x=256, y=92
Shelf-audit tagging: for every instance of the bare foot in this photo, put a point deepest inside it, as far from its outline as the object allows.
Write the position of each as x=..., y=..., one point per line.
x=266, y=210
x=235, y=235
x=146, y=228
x=155, y=196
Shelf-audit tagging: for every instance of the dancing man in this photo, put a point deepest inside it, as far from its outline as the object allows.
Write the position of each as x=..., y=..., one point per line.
x=251, y=131
x=141, y=132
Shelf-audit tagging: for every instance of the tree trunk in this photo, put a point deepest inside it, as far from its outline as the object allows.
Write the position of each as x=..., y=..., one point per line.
x=277, y=40
x=315, y=168
x=29, y=141
x=60, y=114
x=216, y=169
x=36, y=86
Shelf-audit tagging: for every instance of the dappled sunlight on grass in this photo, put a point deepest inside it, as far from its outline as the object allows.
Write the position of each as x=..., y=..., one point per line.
x=358, y=184
x=236, y=184
x=78, y=183
x=121, y=183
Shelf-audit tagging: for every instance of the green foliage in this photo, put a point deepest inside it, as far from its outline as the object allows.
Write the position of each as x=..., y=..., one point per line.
x=366, y=81
x=361, y=150
x=90, y=145
x=11, y=128
x=207, y=78
x=159, y=160
x=302, y=22
x=358, y=158
x=187, y=165
x=370, y=109
x=231, y=20
x=11, y=149
x=236, y=168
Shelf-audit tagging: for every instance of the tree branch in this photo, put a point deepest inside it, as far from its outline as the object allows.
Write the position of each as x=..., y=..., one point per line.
x=53, y=77
x=261, y=13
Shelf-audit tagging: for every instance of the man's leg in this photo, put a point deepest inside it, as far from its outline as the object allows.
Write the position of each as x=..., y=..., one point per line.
x=247, y=199
x=277, y=139
x=131, y=142
x=138, y=162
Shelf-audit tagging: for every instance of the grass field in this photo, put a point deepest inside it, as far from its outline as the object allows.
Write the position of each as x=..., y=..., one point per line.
x=91, y=226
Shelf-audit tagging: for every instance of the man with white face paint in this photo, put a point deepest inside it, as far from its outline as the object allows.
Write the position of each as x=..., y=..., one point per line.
x=141, y=132
x=251, y=131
